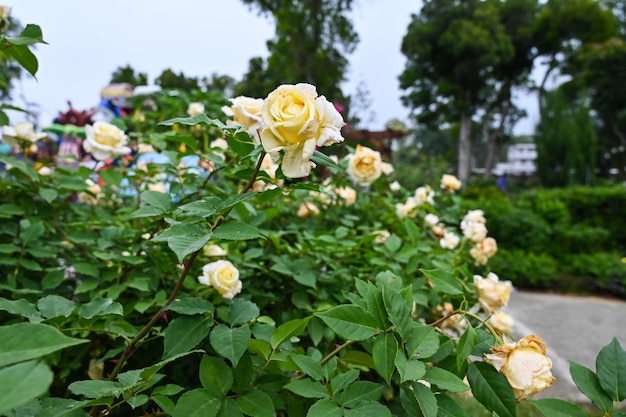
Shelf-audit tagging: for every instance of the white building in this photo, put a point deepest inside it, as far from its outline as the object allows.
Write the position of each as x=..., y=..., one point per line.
x=520, y=160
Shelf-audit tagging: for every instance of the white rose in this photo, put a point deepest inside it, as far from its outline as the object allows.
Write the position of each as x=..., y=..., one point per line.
x=347, y=195
x=431, y=219
x=104, y=141
x=524, y=364
x=213, y=250
x=44, y=170
x=425, y=195
x=308, y=209
x=450, y=183
x=246, y=112
x=449, y=240
x=223, y=276
x=482, y=251
x=476, y=232
x=476, y=216
x=195, y=109
x=381, y=236
x=93, y=193
x=366, y=165
x=492, y=293
x=296, y=120
x=501, y=322
x=407, y=209
x=395, y=186
x=20, y=133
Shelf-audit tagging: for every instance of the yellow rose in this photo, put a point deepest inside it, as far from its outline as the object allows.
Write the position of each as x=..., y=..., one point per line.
x=450, y=183
x=223, y=276
x=246, y=112
x=366, y=165
x=492, y=293
x=20, y=133
x=347, y=196
x=482, y=251
x=296, y=120
x=524, y=364
x=104, y=141
x=195, y=109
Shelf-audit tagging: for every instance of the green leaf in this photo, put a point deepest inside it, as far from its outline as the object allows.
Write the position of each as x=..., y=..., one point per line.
x=197, y=403
x=95, y=389
x=24, y=57
x=589, y=384
x=185, y=333
x=31, y=232
x=183, y=245
x=242, y=311
x=30, y=35
x=23, y=382
x=368, y=409
x=25, y=341
x=324, y=160
x=194, y=120
x=445, y=380
x=422, y=342
x=48, y=194
x=100, y=307
x=208, y=206
x=236, y=231
x=425, y=399
x=399, y=312
x=325, y=408
x=339, y=382
x=233, y=201
x=360, y=391
x=190, y=306
x=55, y=306
x=491, y=389
x=161, y=201
x=230, y=343
x=414, y=232
x=287, y=330
x=256, y=404
x=230, y=408
x=376, y=306
x=409, y=370
x=309, y=366
x=611, y=370
x=20, y=307
x=146, y=211
x=384, y=354
x=552, y=407
x=308, y=388
x=443, y=281
x=148, y=373
x=467, y=341
x=214, y=373
x=448, y=407
x=349, y=321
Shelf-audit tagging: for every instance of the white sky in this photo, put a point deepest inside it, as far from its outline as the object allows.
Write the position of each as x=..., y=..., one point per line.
x=88, y=40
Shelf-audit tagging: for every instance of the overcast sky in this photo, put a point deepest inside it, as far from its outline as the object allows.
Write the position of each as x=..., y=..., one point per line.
x=88, y=40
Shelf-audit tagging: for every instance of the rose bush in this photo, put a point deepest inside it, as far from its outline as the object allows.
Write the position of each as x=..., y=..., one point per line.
x=116, y=304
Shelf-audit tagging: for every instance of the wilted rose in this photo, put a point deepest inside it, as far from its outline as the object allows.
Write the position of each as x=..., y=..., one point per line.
x=296, y=120
x=223, y=276
x=105, y=141
x=500, y=321
x=492, y=293
x=524, y=364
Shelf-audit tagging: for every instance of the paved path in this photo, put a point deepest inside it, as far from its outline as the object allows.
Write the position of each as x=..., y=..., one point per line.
x=574, y=328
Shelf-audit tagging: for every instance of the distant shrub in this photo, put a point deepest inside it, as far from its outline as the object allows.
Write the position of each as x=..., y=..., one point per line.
x=526, y=269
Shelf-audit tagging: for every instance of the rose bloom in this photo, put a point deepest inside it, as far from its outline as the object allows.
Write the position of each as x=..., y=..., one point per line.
x=307, y=209
x=5, y=13
x=223, y=276
x=450, y=183
x=145, y=148
x=44, y=170
x=347, y=196
x=220, y=143
x=492, y=293
x=93, y=193
x=454, y=322
x=195, y=109
x=214, y=251
x=482, y=251
x=438, y=231
x=296, y=120
x=104, y=141
x=431, y=219
x=158, y=187
x=381, y=236
x=476, y=232
x=425, y=195
x=524, y=364
x=500, y=321
x=246, y=112
x=22, y=132
x=407, y=209
x=366, y=165
x=475, y=216
x=449, y=240
x=395, y=186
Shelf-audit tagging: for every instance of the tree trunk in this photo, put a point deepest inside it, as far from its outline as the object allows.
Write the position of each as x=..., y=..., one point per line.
x=495, y=138
x=464, y=150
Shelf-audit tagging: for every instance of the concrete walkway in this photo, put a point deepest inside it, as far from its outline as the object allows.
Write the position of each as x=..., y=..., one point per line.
x=574, y=328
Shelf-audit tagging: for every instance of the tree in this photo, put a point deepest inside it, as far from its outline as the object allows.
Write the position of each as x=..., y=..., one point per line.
x=169, y=80
x=127, y=75
x=451, y=49
x=312, y=42
x=10, y=69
